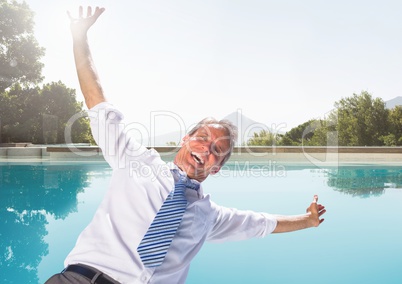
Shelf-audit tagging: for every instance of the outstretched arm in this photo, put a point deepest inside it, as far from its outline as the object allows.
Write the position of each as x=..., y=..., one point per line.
x=86, y=71
x=298, y=222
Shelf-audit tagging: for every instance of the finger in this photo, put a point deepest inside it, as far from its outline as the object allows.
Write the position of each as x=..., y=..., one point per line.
x=315, y=199
x=69, y=15
x=99, y=11
x=80, y=12
x=322, y=220
x=89, y=11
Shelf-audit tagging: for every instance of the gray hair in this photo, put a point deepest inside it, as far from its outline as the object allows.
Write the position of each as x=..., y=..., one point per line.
x=229, y=127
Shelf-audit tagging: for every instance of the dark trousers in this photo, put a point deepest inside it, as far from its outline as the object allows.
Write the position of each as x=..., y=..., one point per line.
x=69, y=277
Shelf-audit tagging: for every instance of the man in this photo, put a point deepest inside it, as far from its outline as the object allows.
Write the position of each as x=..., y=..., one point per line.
x=121, y=244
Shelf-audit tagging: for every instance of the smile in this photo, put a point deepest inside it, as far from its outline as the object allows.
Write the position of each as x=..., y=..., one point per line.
x=197, y=158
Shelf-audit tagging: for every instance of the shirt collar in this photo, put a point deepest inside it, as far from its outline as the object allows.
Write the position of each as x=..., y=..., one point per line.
x=178, y=173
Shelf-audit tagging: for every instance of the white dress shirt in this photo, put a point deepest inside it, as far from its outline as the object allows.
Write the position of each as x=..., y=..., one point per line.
x=139, y=185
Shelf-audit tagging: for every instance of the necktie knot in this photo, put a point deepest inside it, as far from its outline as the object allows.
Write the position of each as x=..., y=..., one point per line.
x=188, y=183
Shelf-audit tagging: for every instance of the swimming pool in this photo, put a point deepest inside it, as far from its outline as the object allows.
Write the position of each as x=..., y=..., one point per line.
x=44, y=206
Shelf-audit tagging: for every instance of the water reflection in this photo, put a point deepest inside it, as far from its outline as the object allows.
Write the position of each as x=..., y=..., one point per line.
x=364, y=181
x=28, y=193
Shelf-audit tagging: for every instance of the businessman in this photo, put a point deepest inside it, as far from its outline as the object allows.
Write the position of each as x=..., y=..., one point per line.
x=149, y=226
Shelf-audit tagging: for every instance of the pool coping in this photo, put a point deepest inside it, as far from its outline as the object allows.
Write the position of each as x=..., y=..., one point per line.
x=263, y=154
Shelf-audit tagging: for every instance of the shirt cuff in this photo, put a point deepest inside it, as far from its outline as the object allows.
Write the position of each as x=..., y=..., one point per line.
x=270, y=223
x=101, y=105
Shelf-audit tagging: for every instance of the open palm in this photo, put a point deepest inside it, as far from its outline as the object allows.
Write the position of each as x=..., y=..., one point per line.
x=79, y=26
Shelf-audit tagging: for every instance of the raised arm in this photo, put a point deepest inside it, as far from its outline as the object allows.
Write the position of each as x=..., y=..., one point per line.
x=312, y=218
x=86, y=71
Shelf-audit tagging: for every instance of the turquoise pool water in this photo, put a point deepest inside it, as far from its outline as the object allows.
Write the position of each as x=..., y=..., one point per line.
x=44, y=207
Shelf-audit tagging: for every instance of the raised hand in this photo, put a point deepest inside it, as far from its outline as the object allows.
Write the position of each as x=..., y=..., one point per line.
x=316, y=211
x=80, y=26
x=86, y=71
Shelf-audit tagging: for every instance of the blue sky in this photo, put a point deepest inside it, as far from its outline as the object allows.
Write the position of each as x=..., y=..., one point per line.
x=277, y=62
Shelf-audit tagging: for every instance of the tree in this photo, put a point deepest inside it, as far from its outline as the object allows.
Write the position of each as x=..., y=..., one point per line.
x=29, y=113
x=264, y=138
x=58, y=106
x=394, y=137
x=323, y=134
x=19, y=115
x=19, y=50
x=40, y=115
x=299, y=134
x=361, y=120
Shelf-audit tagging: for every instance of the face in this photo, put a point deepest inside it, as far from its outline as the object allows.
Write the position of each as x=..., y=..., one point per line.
x=202, y=153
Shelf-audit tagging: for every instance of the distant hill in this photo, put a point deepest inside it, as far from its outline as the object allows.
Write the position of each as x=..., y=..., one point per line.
x=246, y=128
x=394, y=102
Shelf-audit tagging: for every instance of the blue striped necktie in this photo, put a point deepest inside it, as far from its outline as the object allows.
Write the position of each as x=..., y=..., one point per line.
x=156, y=242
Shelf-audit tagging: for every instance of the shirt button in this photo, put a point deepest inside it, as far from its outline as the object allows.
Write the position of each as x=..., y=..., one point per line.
x=144, y=278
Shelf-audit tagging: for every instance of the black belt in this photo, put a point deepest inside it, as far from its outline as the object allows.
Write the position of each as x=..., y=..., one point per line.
x=94, y=276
